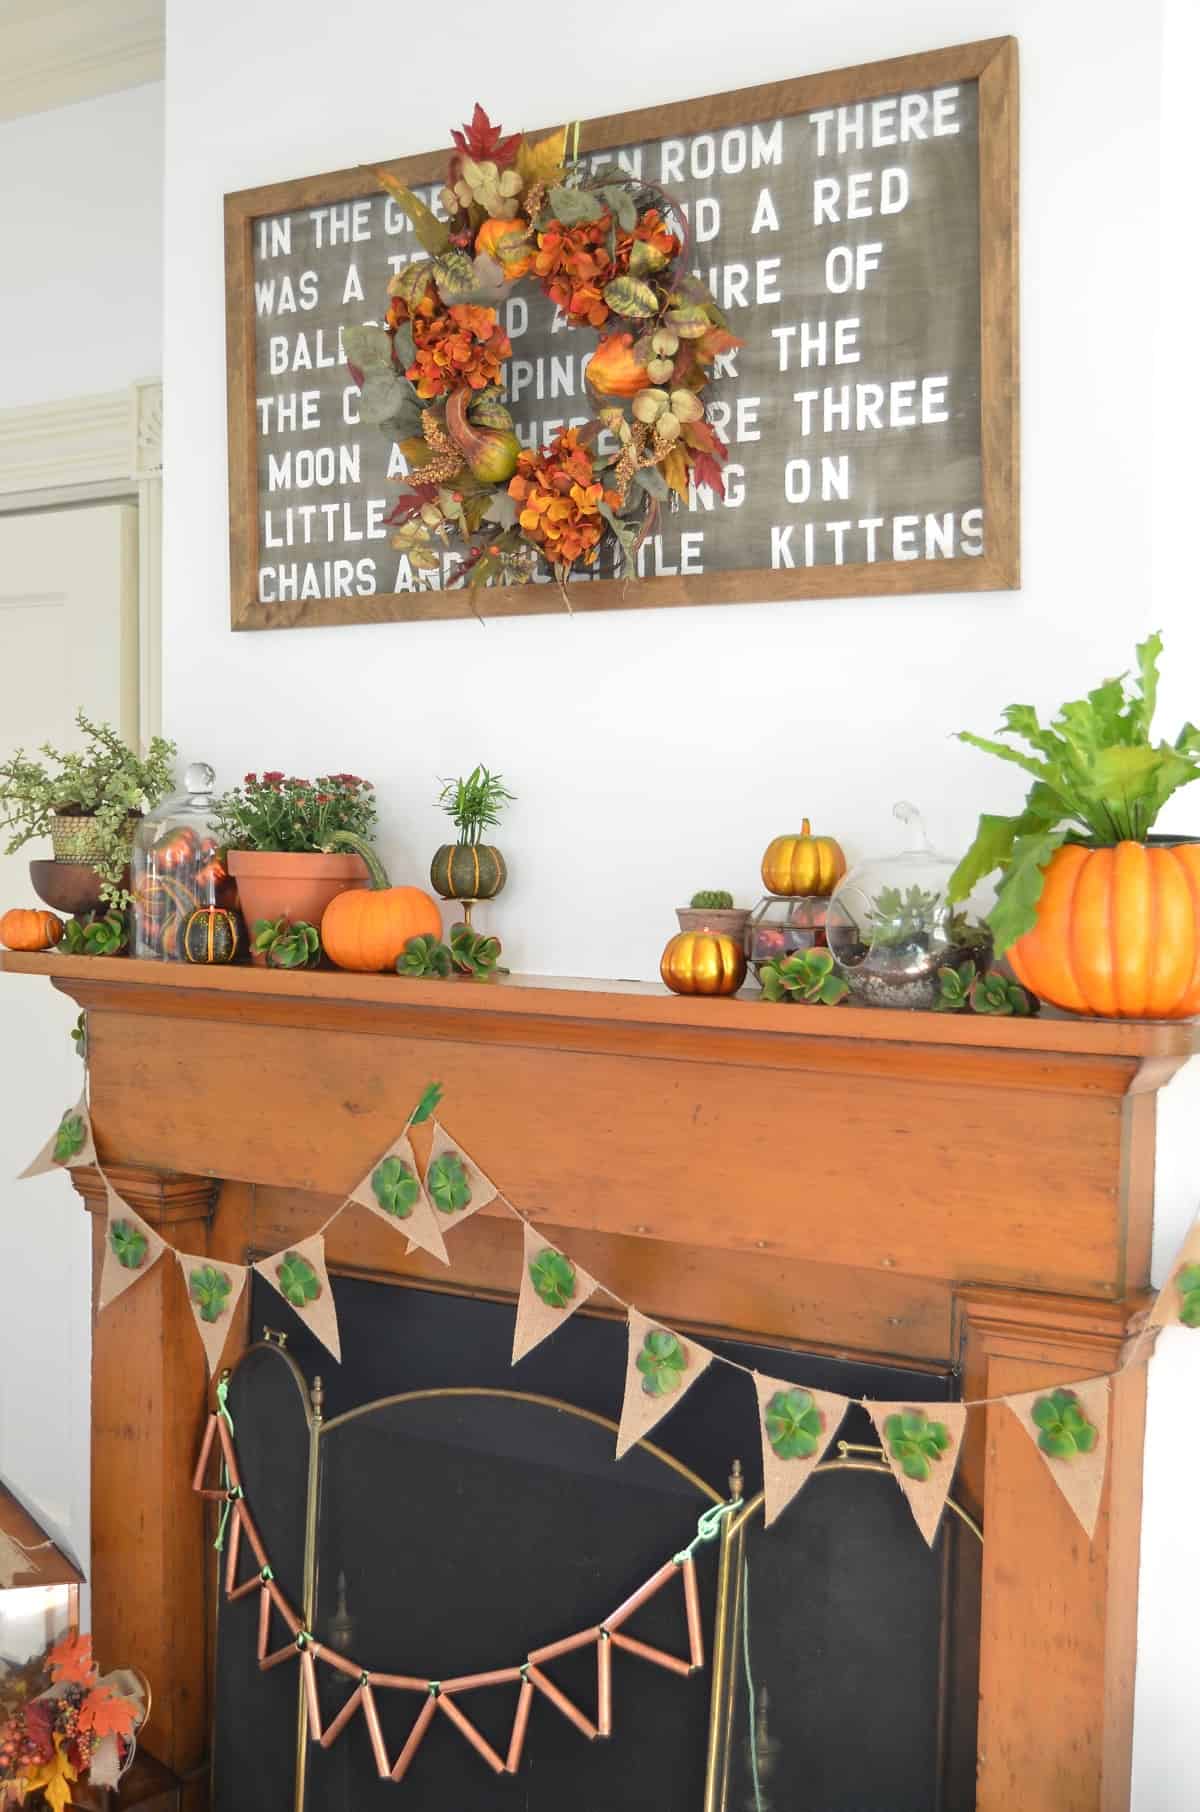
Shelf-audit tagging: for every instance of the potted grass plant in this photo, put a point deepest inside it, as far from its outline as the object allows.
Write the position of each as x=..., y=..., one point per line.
x=280, y=831
x=1093, y=912
x=470, y=869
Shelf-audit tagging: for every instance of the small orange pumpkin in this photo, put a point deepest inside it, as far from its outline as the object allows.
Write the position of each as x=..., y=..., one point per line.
x=1117, y=933
x=366, y=928
x=803, y=864
x=703, y=962
x=28, y=928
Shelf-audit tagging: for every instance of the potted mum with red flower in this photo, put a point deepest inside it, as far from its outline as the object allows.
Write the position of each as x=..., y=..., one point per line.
x=279, y=829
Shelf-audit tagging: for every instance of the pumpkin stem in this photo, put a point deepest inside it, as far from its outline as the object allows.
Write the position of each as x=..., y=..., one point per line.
x=805, y=828
x=350, y=840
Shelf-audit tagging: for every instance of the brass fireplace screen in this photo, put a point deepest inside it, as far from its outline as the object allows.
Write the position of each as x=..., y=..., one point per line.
x=442, y=1551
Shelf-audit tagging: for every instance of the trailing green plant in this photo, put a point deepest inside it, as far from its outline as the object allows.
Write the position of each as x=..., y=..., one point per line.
x=396, y=1188
x=105, y=780
x=129, y=1244
x=1098, y=779
x=70, y=1138
x=915, y=1443
x=79, y=1037
x=1188, y=1285
x=298, y=1281
x=448, y=1183
x=805, y=975
x=472, y=953
x=1063, y=1427
x=553, y=1277
x=716, y=899
x=474, y=803
x=288, y=943
x=962, y=990
x=793, y=1424
x=95, y=934
x=210, y=1289
x=662, y=1362
x=276, y=812
x=425, y=957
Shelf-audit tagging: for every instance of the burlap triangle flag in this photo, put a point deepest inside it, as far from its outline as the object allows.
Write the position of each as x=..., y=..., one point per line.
x=298, y=1273
x=131, y=1248
x=1178, y=1302
x=454, y=1182
x=661, y=1368
x=214, y=1289
x=553, y=1286
x=797, y=1425
x=1069, y=1427
x=69, y=1145
x=393, y=1191
x=920, y=1443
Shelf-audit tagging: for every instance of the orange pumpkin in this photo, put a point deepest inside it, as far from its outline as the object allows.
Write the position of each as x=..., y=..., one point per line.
x=803, y=864
x=703, y=962
x=510, y=243
x=614, y=369
x=28, y=928
x=1117, y=933
x=366, y=928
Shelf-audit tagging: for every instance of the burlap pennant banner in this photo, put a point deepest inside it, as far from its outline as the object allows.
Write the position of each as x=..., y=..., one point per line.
x=454, y=1182
x=920, y=1443
x=1068, y=1425
x=393, y=1191
x=661, y=1368
x=553, y=1286
x=214, y=1289
x=797, y=1425
x=69, y=1145
x=131, y=1248
x=299, y=1275
x=1178, y=1302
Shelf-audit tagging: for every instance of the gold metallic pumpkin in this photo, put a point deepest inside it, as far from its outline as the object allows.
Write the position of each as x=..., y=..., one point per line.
x=803, y=864
x=703, y=962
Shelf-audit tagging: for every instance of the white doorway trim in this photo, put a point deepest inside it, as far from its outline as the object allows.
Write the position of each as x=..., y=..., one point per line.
x=87, y=449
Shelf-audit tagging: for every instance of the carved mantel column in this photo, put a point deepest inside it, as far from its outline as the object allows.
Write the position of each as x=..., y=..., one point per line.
x=149, y=1391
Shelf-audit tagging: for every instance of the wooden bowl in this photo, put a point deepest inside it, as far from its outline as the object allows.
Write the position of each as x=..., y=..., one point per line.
x=70, y=887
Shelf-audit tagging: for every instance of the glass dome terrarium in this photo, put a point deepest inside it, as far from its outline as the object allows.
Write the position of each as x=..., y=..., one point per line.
x=891, y=927
x=176, y=869
x=783, y=923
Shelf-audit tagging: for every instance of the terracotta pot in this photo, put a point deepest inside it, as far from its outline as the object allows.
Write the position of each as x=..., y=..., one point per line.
x=730, y=920
x=271, y=884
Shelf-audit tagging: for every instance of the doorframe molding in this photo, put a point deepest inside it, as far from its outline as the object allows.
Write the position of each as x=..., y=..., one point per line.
x=89, y=449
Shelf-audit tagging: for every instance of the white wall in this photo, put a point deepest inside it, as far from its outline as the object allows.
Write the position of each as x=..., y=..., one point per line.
x=80, y=312
x=655, y=752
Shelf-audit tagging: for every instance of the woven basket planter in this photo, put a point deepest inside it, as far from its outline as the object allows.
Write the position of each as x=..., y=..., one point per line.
x=80, y=839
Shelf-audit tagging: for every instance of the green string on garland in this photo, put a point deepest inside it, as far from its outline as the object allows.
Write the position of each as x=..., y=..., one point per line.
x=708, y=1527
x=751, y=1708
x=227, y=1506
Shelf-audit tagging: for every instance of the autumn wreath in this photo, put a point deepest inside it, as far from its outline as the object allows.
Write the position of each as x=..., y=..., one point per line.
x=610, y=251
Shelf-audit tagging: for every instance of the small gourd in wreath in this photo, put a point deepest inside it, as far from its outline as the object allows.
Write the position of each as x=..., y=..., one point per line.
x=610, y=250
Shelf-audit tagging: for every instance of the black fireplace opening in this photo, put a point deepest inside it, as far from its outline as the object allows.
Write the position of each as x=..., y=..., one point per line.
x=459, y=1524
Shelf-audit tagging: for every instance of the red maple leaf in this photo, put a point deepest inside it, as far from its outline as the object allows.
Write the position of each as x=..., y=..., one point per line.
x=70, y=1662
x=702, y=437
x=705, y=470
x=104, y=1713
x=484, y=142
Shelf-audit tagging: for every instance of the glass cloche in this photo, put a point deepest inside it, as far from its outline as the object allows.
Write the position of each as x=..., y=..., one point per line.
x=891, y=927
x=177, y=869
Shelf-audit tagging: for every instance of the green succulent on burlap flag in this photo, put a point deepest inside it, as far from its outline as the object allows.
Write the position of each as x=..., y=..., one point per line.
x=70, y=1138
x=129, y=1244
x=395, y=1188
x=553, y=1277
x=1063, y=1428
x=915, y=1443
x=1188, y=1284
x=662, y=1363
x=793, y=1424
x=448, y=1183
x=210, y=1289
x=298, y=1282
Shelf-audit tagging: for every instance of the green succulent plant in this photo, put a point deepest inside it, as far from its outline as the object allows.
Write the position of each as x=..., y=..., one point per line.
x=298, y=1282
x=474, y=954
x=448, y=1183
x=793, y=1424
x=288, y=943
x=806, y=975
x=424, y=956
x=954, y=988
x=999, y=995
x=553, y=1277
x=95, y=934
x=129, y=1244
x=210, y=1289
x=1063, y=1427
x=70, y=1138
x=915, y=1443
x=662, y=1363
x=395, y=1188
x=1188, y=1285
x=714, y=900
x=79, y=1037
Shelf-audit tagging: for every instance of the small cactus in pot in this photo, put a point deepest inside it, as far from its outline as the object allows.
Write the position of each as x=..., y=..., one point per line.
x=471, y=869
x=712, y=909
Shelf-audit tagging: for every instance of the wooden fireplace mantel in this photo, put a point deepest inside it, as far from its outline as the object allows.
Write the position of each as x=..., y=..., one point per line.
x=938, y=1189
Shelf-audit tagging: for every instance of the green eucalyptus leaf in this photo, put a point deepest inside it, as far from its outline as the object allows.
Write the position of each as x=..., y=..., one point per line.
x=624, y=208
x=631, y=298
x=573, y=206
x=388, y=400
x=368, y=348
x=651, y=480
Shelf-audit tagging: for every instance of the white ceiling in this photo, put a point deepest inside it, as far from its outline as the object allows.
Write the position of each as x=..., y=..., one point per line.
x=54, y=52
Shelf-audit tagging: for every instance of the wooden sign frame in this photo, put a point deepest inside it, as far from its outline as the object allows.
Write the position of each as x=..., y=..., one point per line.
x=991, y=62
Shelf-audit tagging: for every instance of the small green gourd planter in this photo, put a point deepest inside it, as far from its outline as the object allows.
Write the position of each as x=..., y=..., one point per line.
x=468, y=871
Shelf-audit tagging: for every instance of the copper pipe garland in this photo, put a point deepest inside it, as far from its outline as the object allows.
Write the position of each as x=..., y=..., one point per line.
x=645, y=1653
x=691, y=1598
x=414, y=1738
x=309, y=1671
x=463, y=1724
x=604, y=1684
x=334, y=1730
x=375, y=1731
x=568, y=1644
x=561, y=1702
x=520, y=1726
x=638, y=1598
x=499, y=1676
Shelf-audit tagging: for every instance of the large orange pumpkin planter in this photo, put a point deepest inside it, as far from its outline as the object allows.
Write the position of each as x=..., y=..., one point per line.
x=1117, y=933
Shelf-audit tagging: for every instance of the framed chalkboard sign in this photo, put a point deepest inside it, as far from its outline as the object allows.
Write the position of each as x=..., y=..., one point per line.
x=859, y=230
